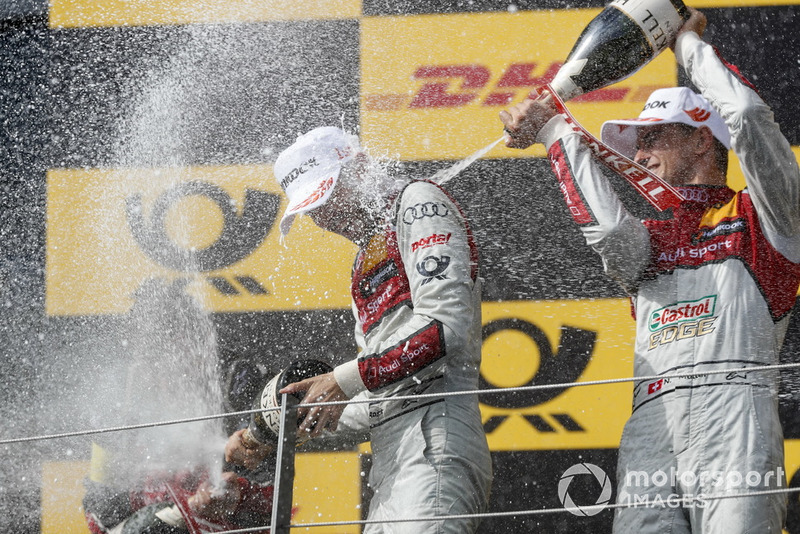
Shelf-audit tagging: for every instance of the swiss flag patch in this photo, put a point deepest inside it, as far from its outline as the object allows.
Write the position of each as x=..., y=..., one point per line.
x=655, y=386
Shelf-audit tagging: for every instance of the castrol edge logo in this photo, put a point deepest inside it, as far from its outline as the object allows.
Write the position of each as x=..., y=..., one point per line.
x=422, y=101
x=682, y=311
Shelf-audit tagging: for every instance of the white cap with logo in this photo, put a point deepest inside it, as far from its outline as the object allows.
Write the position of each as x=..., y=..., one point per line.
x=308, y=170
x=665, y=106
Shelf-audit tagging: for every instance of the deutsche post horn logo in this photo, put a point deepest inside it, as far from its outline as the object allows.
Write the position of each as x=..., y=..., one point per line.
x=239, y=237
x=575, y=346
x=433, y=267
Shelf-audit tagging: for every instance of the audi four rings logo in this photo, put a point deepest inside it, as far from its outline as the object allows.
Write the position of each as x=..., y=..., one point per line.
x=432, y=267
x=425, y=209
x=698, y=195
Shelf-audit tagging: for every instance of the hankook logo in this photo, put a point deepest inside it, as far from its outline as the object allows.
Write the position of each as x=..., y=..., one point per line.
x=297, y=171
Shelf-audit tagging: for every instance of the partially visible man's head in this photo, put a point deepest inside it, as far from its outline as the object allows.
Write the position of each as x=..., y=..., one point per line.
x=310, y=168
x=328, y=176
x=669, y=115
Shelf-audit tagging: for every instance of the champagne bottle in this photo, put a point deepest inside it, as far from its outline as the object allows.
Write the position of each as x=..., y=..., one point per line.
x=265, y=426
x=623, y=38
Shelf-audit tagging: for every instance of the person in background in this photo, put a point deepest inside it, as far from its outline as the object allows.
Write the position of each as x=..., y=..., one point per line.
x=176, y=501
x=712, y=288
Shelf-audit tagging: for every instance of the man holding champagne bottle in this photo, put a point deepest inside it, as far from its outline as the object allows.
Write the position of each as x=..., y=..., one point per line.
x=416, y=300
x=712, y=289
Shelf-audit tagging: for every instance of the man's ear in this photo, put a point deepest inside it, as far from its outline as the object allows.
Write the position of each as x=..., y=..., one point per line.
x=361, y=165
x=362, y=159
x=704, y=140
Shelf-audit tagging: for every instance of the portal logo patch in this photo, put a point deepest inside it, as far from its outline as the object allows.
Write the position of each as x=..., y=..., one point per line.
x=431, y=240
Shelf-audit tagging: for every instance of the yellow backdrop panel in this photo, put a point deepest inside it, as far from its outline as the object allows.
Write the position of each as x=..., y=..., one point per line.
x=511, y=360
x=327, y=488
x=433, y=85
x=94, y=262
x=82, y=13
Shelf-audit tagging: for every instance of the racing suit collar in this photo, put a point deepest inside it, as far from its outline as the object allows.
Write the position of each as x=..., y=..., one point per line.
x=704, y=195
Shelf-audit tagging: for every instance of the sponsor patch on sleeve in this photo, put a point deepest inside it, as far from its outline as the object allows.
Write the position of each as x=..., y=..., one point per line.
x=566, y=183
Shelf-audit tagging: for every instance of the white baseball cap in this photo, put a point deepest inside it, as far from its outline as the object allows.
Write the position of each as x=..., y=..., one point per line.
x=665, y=106
x=309, y=169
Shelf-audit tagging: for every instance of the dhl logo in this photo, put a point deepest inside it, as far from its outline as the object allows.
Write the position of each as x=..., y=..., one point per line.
x=454, y=86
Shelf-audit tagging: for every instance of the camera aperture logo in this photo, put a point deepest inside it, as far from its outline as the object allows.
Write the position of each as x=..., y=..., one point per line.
x=584, y=469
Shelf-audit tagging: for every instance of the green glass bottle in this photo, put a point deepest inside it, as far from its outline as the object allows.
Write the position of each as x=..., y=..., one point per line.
x=623, y=38
x=264, y=426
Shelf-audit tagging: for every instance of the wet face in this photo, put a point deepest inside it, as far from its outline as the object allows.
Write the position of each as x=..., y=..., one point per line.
x=668, y=150
x=344, y=211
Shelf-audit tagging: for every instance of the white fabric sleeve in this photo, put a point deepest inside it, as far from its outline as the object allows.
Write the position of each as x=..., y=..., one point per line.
x=445, y=297
x=621, y=240
x=769, y=165
x=171, y=516
x=348, y=377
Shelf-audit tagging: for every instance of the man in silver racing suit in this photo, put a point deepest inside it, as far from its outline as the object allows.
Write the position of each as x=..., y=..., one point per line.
x=712, y=289
x=416, y=299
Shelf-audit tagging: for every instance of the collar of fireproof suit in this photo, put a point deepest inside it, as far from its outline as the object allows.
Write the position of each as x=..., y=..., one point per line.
x=308, y=170
x=704, y=195
x=666, y=106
